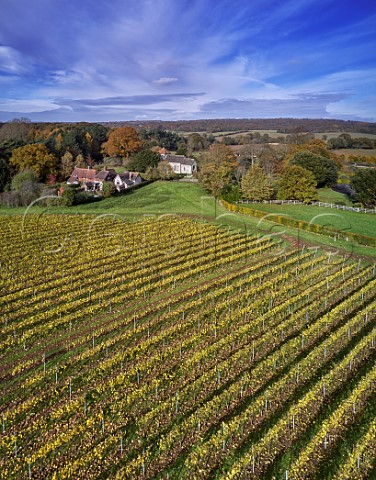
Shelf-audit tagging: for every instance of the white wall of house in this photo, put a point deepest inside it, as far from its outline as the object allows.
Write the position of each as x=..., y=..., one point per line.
x=182, y=168
x=119, y=183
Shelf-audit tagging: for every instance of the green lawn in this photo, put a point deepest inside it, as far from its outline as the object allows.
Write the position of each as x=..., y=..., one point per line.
x=363, y=223
x=328, y=195
x=180, y=198
x=158, y=198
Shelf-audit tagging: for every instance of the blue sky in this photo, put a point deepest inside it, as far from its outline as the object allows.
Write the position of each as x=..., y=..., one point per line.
x=103, y=60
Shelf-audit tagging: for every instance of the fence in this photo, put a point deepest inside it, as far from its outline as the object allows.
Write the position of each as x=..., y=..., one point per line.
x=308, y=226
x=317, y=204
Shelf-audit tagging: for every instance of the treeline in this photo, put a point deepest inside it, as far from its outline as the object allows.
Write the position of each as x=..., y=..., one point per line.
x=281, y=125
x=256, y=169
x=346, y=141
x=267, y=174
x=78, y=138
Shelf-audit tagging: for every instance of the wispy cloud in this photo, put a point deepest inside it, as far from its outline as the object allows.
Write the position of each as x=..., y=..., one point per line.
x=165, y=81
x=12, y=62
x=303, y=106
x=95, y=57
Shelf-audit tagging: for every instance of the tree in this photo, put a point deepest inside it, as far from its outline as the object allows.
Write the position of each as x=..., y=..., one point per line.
x=256, y=185
x=324, y=169
x=4, y=174
x=248, y=154
x=122, y=142
x=21, y=179
x=35, y=157
x=16, y=130
x=231, y=193
x=364, y=184
x=336, y=143
x=182, y=149
x=80, y=161
x=297, y=183
x=26, y=187
x=141, y=161
x=66, y=165
x=95, y=136
x=151, y=173
x=67, y=197
x=108, y=189
x=270, y=160
x=165, y=170
x=216, y=169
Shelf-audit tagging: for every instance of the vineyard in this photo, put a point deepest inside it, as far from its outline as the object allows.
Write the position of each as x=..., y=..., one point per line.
x=175, y=349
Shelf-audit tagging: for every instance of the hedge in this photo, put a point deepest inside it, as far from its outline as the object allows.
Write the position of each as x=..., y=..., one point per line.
x=302, y=225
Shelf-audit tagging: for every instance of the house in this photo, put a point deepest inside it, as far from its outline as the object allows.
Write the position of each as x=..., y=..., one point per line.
x=104, y=176
x=90, y=179
x=81, y=175
x=126, y=180
x=180, y=164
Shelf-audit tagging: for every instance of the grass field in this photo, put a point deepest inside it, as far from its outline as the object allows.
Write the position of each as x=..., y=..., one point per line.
x=180, y=198
x=362, y=223
x=155, y=199
x=328, y=195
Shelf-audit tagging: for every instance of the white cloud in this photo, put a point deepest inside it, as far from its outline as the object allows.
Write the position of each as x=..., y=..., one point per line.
x=165, y=81
x=27, y=106
x=12, y=61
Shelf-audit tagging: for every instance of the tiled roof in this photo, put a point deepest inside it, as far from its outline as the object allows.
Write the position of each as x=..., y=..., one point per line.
x=180, y=159
x=82, y=174
x=105, y=175
x=128, y=176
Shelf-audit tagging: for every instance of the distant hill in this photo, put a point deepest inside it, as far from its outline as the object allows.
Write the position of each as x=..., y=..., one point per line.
x=281, y=125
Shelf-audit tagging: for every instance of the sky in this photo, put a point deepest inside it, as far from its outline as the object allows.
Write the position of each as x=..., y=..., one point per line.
x=119, y=60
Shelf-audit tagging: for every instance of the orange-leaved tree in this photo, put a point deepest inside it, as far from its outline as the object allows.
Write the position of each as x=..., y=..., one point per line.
x=122, y=142
x=35, y=157
x=217, y=166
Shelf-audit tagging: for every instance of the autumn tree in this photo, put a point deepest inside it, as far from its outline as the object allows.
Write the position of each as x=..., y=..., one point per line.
x=196, y=142
x=34, y=157
x=256, y=185
x=316, y=146
x=16, y=130
x=122, y=142
x=216, y=168
x=248, y=154
x=165, y=170
x=297, y=183
x=66, y=165
x=270, y=160
x=80, y=161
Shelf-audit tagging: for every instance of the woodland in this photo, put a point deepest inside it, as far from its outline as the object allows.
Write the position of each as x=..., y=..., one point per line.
x=252, y=159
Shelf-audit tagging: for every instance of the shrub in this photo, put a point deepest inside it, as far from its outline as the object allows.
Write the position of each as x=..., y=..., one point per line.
x=67, y=197
x=108, y=189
